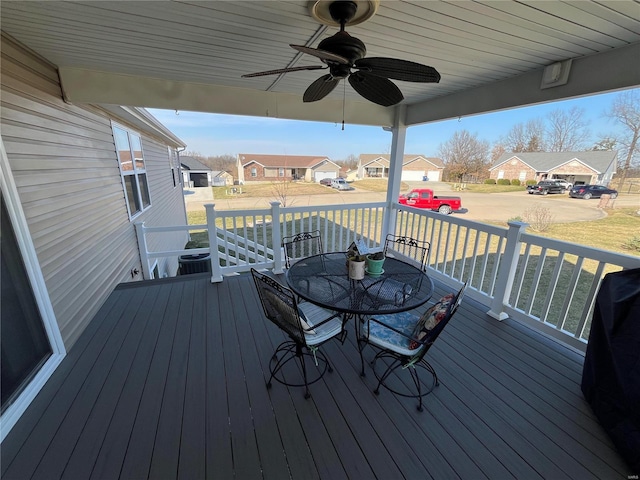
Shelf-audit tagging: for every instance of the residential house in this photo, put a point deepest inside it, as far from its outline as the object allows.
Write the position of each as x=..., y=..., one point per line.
x=269, y=168
x=414, y=167
x=590, y=167
x=196, y=173
x=220, y=178
x=75, y=180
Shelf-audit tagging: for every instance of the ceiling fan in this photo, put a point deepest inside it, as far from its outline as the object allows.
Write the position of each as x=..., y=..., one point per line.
x=344, y=56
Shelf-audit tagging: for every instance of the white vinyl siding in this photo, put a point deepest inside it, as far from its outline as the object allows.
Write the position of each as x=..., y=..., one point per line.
x=63, y=160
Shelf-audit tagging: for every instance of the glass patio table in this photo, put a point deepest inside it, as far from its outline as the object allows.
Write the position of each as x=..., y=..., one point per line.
x=324, y=280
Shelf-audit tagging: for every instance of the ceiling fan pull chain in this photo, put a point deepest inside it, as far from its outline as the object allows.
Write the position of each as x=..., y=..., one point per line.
x=344, y=97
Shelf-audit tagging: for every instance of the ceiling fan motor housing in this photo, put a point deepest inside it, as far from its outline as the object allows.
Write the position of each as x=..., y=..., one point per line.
x=344, y=45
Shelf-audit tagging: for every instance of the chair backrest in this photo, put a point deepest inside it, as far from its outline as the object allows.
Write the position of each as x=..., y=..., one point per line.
x=279, y=305
x=301, y=245
x=433, y=334
x=408, y=247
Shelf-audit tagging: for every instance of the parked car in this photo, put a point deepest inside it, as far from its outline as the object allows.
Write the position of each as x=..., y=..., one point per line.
x=326, y=181
x=424, y=198
x=566, y=185
x=544, y=187
x=340, y=184
x=591, y=191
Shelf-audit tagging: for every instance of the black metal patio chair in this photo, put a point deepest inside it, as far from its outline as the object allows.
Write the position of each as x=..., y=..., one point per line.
x=402, y=340
x=307, y=325
x=301, y=245
x=407, y=248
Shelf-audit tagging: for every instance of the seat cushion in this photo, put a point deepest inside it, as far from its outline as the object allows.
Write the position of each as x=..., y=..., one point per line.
x=312, y=315
x=388, y=339
x=429, y=320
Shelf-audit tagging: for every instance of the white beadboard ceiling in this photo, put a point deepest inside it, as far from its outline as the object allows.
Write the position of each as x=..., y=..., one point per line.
x=190, y=55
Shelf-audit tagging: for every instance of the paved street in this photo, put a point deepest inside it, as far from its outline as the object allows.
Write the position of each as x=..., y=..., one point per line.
x=495, y=207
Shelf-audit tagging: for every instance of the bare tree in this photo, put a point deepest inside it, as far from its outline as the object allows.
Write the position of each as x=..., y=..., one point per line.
x=280, y=191
x=497, y=151
x=626, y=110
x=526, y=137
x=567, y=131
x=465, y=155
x=605, y=144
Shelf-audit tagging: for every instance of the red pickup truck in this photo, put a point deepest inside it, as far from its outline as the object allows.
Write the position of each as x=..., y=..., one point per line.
x=424, y=198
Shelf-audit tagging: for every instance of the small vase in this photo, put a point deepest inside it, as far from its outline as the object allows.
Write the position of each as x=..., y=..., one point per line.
x=356, y=269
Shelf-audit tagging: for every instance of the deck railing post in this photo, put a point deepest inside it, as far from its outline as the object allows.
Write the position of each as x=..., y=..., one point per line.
x=214, y=253
x=276, y=238
x=507, y=270
x=144, y=250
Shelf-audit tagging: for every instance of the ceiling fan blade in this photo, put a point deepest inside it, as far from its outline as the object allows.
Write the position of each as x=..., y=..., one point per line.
x=376, y=89
x=321, y=54
x=398, y=69
x=283, y=70
x=320, y=88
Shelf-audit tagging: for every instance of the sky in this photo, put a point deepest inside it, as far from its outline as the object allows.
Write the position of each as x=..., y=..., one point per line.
x=213, y=134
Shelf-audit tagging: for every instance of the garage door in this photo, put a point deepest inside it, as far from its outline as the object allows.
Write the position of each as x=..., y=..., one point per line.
x=320, y=175
x=412, y=175
x=433, y=175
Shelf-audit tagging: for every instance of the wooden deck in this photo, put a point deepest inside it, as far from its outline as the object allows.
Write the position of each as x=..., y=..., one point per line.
x=168, y=381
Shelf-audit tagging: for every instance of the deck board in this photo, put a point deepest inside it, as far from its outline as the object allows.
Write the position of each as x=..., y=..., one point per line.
x=168, y=381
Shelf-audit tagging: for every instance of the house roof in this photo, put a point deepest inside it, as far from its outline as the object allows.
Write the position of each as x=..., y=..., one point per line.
x=191, y=55
x=282, y=161
x=220, y=173
x=366, y=158
x=191, y=163
x=600, y=161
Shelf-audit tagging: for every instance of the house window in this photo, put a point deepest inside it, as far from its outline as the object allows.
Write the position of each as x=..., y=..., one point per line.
x=281, y=172
x=523, y=175
x=500, y=174
x=132, y=170
x=254, y=172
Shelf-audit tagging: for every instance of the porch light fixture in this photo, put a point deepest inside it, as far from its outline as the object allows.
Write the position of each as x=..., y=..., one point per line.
x=555, y=74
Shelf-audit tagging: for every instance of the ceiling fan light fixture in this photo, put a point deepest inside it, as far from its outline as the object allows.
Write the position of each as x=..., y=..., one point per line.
x=320, y=10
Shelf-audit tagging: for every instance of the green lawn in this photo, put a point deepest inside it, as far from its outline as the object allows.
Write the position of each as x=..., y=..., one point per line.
x=271, y=189
x=482, y=188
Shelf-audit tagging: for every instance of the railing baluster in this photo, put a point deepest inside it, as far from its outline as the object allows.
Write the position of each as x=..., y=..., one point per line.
x=571, y=290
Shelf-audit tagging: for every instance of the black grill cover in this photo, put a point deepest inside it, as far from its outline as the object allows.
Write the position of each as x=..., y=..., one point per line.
x=611, y=375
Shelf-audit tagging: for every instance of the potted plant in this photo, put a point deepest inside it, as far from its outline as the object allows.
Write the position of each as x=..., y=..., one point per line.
x=374, y=263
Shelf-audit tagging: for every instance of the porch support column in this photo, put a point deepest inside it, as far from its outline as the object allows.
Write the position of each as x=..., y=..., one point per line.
x=214, y=253
x=143, y=249
x=276, y=238
x=398, y=139
x=507, y=271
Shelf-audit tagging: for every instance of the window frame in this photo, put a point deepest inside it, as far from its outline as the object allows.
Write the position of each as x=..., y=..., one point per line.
x=136, y=172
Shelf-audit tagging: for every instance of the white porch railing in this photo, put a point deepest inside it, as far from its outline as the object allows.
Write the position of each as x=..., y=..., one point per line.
x=545, y=283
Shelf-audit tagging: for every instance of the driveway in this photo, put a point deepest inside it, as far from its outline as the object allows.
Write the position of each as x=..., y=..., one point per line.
x=493, y=207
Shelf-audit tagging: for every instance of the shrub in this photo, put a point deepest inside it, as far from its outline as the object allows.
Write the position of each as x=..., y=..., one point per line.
x=490, y=181
x=530, y=182
x=515, y=182
x=632, y=244
x=538, y=218
x=504, y=181
x=517, y=218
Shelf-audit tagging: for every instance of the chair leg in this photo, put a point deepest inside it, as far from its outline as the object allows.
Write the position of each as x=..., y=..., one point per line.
x=290, y=351
x=407, y=391
x=304, y=371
